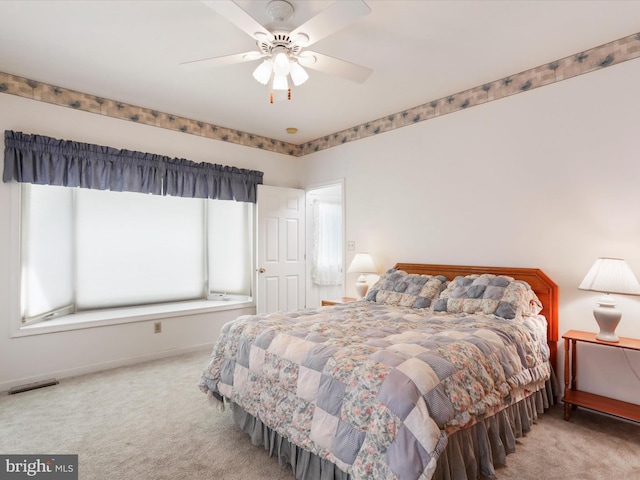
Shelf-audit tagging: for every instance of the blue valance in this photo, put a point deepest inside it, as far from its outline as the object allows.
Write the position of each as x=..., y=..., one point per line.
x=49, y=161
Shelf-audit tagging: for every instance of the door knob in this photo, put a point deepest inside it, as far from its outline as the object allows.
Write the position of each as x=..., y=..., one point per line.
x=262, y=270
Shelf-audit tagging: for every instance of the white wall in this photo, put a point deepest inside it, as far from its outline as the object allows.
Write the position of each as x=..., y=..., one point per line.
x=38, y=357
x=549, y=178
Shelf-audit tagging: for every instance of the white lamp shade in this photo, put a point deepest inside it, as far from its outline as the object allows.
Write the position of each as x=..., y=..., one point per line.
x=298, y=74
x=362, y=263
x=263, y=72
x=611, y=275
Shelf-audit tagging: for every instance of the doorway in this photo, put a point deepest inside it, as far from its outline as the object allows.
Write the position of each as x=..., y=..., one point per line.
x=324, y=243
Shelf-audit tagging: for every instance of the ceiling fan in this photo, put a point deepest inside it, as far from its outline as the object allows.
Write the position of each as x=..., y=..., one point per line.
x=283, y=48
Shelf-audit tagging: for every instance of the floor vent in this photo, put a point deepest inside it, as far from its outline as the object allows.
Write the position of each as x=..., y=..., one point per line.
x=32, y=386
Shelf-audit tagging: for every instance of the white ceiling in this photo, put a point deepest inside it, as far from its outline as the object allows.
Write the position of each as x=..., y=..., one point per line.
x=419, y=51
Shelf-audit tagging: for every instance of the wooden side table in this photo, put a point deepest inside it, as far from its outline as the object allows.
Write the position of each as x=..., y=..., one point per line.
x=338, y=301
x=577, y=398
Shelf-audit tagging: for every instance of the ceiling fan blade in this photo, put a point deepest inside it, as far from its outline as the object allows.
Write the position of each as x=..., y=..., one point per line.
x=220, y=61
x=241, y=19
x=335, y=17
x=334, y=66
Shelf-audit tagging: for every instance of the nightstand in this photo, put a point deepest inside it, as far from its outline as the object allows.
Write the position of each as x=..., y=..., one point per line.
x=576, y=398
x=338, y=301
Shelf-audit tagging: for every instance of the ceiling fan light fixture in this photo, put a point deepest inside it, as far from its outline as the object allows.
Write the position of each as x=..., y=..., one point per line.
x=280, y=82
x=263, y=72
x=281, y=64
x=298, y=74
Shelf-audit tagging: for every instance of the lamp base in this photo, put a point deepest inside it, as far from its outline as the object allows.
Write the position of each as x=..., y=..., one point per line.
x=361, y=287
x=608, y=317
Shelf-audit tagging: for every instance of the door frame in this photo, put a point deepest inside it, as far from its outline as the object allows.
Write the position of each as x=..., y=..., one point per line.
x=309, y=212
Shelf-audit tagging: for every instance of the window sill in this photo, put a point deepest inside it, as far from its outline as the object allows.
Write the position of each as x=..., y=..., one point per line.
x=117, y=316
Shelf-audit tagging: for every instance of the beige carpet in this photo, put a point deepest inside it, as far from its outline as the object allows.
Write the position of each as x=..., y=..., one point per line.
x=150, y=422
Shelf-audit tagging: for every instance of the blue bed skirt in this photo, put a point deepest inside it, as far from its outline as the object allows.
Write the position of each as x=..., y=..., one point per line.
x=470, y=453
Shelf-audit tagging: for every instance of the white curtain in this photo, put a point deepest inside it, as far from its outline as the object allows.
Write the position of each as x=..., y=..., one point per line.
x=327, y=243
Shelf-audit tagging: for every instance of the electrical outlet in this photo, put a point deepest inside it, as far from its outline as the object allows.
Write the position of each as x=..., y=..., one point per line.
x=351, y=245
x=157, y=327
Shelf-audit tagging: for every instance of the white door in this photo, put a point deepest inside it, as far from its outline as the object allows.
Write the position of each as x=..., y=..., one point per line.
x=281, y=249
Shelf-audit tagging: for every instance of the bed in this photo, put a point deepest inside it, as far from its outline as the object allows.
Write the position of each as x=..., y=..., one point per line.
x=433, y=376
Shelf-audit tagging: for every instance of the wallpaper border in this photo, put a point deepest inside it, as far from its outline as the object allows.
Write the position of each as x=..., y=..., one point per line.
x=596, y=58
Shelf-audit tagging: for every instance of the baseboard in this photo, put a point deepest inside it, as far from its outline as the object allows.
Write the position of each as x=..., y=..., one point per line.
x=98, y=367
x=25, y=387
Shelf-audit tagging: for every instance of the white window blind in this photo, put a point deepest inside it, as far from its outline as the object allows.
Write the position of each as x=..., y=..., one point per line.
x=230, y=243
x=135, y=249
x=87, y=249
x=47, y=250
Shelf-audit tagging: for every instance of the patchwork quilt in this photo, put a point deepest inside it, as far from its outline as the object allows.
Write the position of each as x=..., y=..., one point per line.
x=376, y=388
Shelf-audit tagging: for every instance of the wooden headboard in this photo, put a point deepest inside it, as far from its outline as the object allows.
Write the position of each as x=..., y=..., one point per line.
x=543, y=286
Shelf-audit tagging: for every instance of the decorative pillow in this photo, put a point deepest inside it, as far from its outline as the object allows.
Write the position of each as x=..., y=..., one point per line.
x=489, y=294
x=396, y=287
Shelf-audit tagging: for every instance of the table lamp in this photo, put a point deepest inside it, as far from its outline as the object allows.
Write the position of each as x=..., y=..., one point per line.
x=609, y=275
x=362, y=263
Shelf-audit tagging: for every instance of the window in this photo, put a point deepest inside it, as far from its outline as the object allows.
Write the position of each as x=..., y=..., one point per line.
x=327, y=243
x=84, y=249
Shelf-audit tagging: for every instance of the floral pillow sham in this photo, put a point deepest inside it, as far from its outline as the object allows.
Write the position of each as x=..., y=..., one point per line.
x=396, y=287
x=489, y=294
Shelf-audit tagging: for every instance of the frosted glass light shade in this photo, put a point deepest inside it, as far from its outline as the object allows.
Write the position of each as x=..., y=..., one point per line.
x=280, y=82
x=609, y=275
x=298, y=74
x=263, y=72
x=281, y=64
